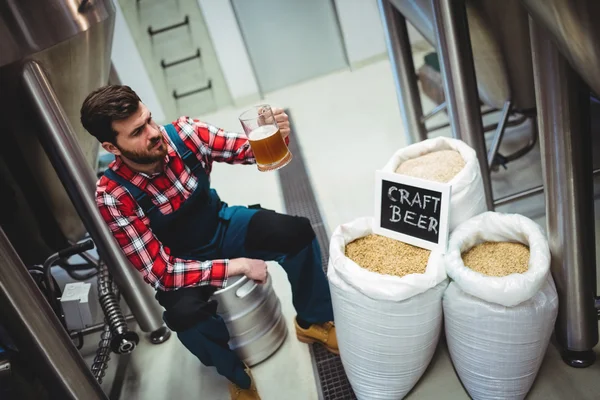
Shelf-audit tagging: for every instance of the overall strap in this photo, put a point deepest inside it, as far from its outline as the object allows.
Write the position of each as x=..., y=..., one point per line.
x=189, y=158
x=140, y=196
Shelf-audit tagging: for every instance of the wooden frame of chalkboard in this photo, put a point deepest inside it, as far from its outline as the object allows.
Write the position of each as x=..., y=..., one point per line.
x=412, y=210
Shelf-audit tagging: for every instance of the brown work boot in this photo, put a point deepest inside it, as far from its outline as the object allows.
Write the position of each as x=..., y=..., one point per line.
x=237, y=393
x=323, y=333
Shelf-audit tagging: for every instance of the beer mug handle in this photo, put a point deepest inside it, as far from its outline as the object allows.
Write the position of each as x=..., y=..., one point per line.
x=266, y=120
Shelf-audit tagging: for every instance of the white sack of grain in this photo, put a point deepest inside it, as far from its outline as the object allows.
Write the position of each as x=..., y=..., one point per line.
x=387, y=326
x=498, y=328
x=468, y=197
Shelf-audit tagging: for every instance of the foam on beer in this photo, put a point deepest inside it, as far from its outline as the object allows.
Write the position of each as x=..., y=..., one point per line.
x=263, y=132
x=268, y=146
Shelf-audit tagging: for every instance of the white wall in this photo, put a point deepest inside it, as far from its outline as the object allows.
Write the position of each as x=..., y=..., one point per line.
x=130, y=67
x=230, y=48
x=362, y=29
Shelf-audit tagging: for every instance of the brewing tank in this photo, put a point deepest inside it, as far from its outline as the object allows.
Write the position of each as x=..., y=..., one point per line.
x=573, y=26
x=71, y=40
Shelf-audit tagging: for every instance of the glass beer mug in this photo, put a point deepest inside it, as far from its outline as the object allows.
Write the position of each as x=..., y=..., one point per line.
x=265, y=139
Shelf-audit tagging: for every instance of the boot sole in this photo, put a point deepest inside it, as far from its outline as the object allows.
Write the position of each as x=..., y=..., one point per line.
x=309, y=340
x=255, y=395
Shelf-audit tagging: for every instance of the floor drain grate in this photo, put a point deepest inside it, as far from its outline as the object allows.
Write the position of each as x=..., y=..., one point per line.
x=299, y=199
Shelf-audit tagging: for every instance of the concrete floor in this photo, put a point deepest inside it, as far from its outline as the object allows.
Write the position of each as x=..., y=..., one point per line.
x=348, y=125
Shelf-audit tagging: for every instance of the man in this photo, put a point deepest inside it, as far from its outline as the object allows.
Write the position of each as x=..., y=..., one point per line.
x=156, y=199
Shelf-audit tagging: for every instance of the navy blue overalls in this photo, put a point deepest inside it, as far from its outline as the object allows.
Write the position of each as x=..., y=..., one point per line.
x=205, y=228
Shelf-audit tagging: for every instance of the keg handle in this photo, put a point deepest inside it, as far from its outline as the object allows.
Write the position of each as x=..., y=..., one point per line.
x=246, y=289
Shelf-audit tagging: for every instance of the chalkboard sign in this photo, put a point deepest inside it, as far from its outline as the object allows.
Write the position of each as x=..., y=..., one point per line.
x=414, y=211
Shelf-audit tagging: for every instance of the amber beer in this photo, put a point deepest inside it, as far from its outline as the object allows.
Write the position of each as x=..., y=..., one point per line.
x=268, y=145
x=266, y=141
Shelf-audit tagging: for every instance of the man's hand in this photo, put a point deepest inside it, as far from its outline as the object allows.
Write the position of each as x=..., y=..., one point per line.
x=283, y=121
x=253, y=269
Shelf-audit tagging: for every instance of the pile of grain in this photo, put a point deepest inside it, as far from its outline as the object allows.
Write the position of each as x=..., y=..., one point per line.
x=387, y=256
x=498, y=258
x=439, y=166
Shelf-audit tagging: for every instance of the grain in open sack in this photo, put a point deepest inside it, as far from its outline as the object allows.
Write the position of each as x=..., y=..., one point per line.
x=387, y=256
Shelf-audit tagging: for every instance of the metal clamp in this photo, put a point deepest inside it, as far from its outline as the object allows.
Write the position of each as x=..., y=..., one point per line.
x=178, y=96
x=152, y=32
x=166, y=65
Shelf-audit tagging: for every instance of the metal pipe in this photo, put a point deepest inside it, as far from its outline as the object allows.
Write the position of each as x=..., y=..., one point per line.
x=52, y=290
x=460, y=85
x=66, y=156
x=438, y=109
x=95, y=328
x=526, y=193
x=565, y=142
x=486, y=128
x=528, y=147
x=39, y=334
x=518, y=196
x=403, y=70
x=499, y=133
x=438, y=127
x=93, y=261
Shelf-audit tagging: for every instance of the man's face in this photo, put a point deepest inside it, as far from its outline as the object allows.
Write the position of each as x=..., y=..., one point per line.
x=139, y=138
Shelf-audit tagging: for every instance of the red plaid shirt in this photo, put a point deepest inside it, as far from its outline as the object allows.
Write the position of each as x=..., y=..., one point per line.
x=168, y=190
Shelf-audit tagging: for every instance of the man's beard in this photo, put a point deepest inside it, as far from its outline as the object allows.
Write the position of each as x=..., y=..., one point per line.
x=148, y=157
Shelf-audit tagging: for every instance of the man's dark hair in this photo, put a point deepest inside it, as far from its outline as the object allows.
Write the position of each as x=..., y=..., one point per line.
x=105, y=105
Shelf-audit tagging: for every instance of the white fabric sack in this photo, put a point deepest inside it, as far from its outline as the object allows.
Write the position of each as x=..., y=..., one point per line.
x=387, y=327
x=497, y=227
x=467, y=198
x=498, y=328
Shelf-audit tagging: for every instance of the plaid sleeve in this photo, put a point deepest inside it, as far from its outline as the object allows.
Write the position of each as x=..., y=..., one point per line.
x=214, y=143
x=161, y=270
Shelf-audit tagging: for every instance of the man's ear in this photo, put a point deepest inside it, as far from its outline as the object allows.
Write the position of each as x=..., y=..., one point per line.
x=111, y=148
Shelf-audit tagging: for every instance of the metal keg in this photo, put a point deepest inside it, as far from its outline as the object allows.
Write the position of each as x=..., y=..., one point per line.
x=252, y=313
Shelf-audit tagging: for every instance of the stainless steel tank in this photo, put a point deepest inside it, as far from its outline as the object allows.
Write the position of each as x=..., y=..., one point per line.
x=71, y=40
x=573, y=26
x=253, y=316
x=53, y=53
